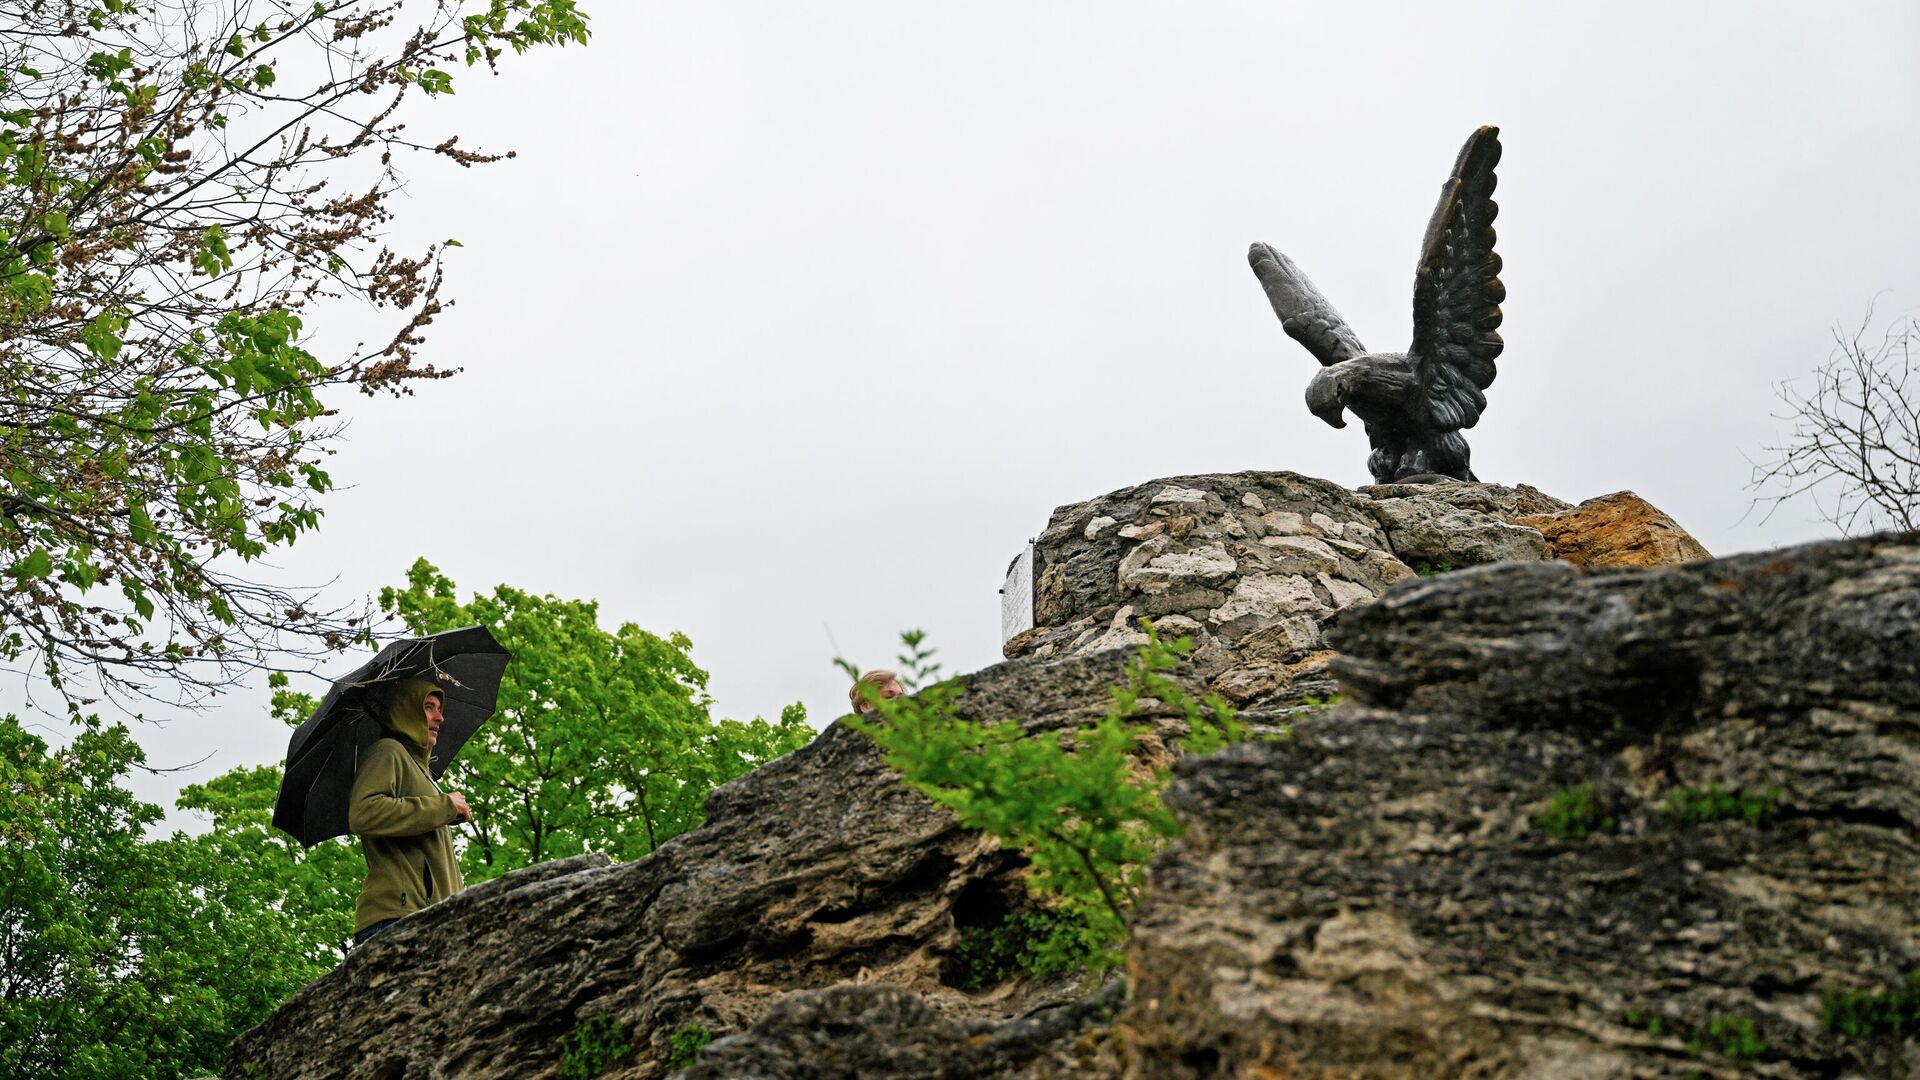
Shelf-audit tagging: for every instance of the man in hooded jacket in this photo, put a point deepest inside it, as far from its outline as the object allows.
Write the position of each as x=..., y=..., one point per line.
x=402, y=816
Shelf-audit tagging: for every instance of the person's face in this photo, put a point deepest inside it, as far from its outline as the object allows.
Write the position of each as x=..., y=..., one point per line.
x=886, y=691
x=434, y=719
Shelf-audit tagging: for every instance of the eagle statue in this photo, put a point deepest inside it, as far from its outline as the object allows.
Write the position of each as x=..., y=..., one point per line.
x=1414, y=404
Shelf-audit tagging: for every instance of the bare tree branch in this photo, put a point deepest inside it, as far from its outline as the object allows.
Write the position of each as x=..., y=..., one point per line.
x=1854, y=449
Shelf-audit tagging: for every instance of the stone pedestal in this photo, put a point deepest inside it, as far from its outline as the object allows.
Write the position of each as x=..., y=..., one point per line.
x=1254, y=566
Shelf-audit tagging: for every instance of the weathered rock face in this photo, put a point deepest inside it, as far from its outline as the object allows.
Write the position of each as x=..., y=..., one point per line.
x=817, y=869
x=1381, y=895
x=1253, y=565
x=1400, y=890
x=1452, y=525
x=1620, y=529
x=854, y=1032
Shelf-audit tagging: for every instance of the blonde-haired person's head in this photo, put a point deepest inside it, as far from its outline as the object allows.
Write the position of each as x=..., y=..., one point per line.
x=883, y=684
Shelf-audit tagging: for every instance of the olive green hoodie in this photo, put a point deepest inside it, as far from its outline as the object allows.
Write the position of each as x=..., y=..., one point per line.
x=401, y=817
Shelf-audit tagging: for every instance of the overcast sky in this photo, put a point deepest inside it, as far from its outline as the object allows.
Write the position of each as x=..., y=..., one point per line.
x=792, y=320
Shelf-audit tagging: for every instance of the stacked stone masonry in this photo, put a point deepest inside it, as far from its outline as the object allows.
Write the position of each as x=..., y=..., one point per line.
x=1253, y=566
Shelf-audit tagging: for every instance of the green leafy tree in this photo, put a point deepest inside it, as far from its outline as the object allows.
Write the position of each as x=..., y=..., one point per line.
x=603, y=741
x=181, y=183
x=1085, y=810
x=301, y=899
x=122, y=956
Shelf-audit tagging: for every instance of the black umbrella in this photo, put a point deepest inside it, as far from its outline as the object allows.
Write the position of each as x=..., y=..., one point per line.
x=321, y=756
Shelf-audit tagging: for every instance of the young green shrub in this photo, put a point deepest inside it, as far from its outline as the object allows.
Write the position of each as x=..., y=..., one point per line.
x=1693, y=806
x=594, y=1044
x=1432, y=569
x=1573, y=813
x=918, y=669
x=1863, y=1014
x=1039, y=943
x=1084, y=811
x=685, y=1044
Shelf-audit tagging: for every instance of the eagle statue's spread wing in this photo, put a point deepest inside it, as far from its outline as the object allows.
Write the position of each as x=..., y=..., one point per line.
x=1304, y=314
x=1457, y=290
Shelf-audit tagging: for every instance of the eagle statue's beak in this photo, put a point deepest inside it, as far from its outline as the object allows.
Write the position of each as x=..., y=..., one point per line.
x=1324, y=397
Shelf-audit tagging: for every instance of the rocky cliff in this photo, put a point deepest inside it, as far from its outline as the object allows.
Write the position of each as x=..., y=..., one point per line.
x=1619, y=824
x=815, y=870
x=1567, y=823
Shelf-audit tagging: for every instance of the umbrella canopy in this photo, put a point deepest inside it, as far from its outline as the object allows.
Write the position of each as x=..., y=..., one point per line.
x=321, y=756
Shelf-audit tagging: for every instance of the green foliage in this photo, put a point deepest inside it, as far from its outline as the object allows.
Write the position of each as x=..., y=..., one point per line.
x=603, y=740
x=594, y=1044
x=685, y=1044
x=1039, y=942
x=1692, y=805
x=169, y=417
x=296, y=902
x=518, y=24
x=986, y=955
x=1730, y=1036
x=1432, y=569
x=1573, y=814
x=1648, y=1022
x=1863, y=1014
x=1211, y=724
x=130, y=957
x=1085, y=812
x=918, y=669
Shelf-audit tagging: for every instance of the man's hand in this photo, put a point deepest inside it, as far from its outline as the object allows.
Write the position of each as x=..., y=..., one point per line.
x=460, y=806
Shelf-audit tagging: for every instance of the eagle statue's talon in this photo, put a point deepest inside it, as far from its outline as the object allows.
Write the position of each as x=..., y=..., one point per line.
x=1414, y=404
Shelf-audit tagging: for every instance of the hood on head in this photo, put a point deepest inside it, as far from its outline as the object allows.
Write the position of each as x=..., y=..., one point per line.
x=407, y=712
